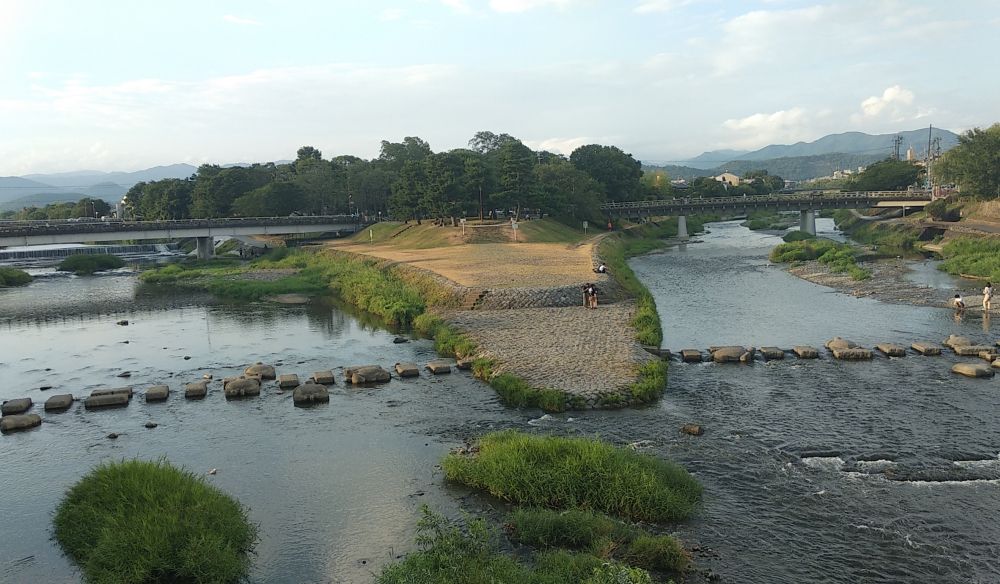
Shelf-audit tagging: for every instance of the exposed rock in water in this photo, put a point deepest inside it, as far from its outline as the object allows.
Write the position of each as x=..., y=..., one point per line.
x=16, y=406
x=692, y=429
x=366, y=374
x=310, y=393
x=972, y=369
x=261, y=370
x=19, y=422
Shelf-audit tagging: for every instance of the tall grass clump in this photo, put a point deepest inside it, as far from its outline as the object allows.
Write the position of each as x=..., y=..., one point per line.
x=85, y=264
x=138, y=521
x=797, y=236
x=10, y=277
x=972, y=256
x=598, y=535
x=840, y=257
x=451, y=554
x=651, y=383
x=556, y=472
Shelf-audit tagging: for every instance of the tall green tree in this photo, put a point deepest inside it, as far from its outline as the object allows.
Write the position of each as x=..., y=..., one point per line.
x=394, y=155
x=616, y=170
x=887, y=175
x=974, y=164
x=271, y=200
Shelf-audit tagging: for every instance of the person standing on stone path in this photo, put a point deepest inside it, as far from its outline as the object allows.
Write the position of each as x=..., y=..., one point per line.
x=987, y=297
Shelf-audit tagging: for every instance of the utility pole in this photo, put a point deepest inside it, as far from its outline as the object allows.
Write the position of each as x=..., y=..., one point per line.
x=930, y=129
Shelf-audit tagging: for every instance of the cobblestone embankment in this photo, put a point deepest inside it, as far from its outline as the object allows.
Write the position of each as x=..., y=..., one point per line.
x=587, y=353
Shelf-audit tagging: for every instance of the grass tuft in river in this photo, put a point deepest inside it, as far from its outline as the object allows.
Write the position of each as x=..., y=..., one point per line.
x=139, y=521
x=10, y=277
x=562, y=473
x=85, y=264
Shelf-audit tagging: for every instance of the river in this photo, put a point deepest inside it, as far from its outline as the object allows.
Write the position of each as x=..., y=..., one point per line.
x=814, y=471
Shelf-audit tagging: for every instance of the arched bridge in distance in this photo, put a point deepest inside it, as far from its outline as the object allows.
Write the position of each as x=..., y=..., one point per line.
x=203, y=230
x=806, y=203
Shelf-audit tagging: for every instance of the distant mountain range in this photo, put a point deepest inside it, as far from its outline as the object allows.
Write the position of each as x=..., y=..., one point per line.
x=805, y=160
x=41, y=189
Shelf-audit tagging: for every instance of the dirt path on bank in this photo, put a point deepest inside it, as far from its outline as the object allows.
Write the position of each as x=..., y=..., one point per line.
x=495, y=265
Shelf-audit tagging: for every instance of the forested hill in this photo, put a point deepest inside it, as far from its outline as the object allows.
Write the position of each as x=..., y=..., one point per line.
x=792, y=168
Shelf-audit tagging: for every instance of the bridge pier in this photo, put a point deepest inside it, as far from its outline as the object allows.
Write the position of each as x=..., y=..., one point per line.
x=205, y=247
x=682, y=227
x=807, y=222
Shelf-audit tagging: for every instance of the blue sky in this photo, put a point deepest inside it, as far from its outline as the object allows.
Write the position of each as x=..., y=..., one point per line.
x=117, y=85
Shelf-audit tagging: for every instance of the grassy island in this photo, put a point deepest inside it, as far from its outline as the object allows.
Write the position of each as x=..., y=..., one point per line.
x=142, y=522
x=85, y=264
x=840, y=257
x=10, y=277
x=573, y=489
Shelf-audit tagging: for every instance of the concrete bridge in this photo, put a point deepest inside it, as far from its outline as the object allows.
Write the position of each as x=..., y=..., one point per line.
x=805, y=203
x=203, y=230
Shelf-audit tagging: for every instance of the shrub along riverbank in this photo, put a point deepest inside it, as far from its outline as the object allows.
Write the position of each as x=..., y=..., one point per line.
x=890, y=239
x=10, y=277
x=571, y=489
x=972, y=256
x=137, y=521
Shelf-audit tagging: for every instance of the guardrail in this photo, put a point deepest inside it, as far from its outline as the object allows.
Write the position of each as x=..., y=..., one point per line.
x=815, y=197
x=107, y=226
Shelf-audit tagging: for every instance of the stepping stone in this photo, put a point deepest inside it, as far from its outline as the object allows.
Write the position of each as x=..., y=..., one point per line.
x=730, y=354
x=988, y=355
x=264, y=371
x=310, y=393
x=691, y=356
x=926, y=349
x=157, y=393
x=892, y=349
x=366, y=374
x=106, y=400
x=970, y=350
x=956, y=341
x=464, y=364
x=125, y=390
x=323, y=377
x=772, y=353
x=196, y=389
x=438, y=366
x=242, y=386
x=972, y=369
x=59, y=402
x=805, y=352
x=14, y=423
x=407, y=370
x=16, y=406
x=853, y=354
x=288, y=381
x=840, y=343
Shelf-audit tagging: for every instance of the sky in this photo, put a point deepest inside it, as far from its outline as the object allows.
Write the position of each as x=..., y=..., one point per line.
x=125, y=85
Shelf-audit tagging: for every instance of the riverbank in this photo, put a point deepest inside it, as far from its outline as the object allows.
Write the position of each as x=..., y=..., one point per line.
x=888, y=283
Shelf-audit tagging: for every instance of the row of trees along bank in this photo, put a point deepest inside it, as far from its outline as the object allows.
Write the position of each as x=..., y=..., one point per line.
x=409, y=180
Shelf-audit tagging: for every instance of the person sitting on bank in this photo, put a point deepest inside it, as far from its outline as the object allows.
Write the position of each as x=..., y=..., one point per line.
x=601, y=269
x=958, y=303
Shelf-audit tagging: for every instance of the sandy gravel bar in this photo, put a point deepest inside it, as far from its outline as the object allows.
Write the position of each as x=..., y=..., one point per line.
x=497, y=265
x=582, y=352
x=888, y=284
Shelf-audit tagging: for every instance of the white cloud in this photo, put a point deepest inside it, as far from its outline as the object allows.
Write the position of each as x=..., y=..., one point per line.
x=892, y=99
x=647, y=6
x=240, y=20
x=559, y=145
x=762, y=129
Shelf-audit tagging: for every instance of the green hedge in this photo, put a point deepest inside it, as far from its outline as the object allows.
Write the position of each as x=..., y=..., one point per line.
x=10, y=277
x=141, y=522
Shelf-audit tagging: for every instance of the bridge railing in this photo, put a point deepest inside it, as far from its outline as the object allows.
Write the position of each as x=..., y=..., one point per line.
x=107, y=226
x=760, y=199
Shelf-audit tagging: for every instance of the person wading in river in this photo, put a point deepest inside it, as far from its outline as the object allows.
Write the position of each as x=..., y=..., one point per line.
x=987, y=297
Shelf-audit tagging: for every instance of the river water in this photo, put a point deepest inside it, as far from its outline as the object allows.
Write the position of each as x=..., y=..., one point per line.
x=814, y=471
x=823, y=471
